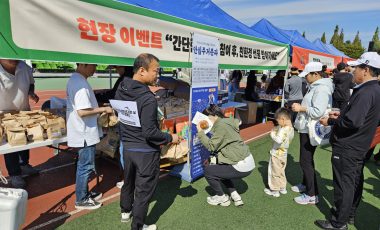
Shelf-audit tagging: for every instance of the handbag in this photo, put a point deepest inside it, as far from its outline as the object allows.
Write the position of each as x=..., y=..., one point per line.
x=318, y=133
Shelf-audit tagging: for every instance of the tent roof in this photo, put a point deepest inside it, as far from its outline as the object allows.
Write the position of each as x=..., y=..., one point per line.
x=291, y=37
x=201, y=11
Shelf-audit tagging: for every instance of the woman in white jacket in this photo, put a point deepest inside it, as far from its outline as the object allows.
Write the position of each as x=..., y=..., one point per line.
x=313, y=106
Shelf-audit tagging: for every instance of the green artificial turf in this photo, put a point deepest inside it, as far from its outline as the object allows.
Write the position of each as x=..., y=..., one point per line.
x=60, y=83
x=181, y=205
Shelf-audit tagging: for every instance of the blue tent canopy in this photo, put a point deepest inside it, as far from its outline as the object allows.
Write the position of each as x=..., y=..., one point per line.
x=329, y=48
x=291, y=37
x=200, y=11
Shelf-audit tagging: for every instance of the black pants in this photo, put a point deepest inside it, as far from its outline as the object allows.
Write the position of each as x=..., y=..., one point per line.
x=340, y=104
x=294, y=114
x=141, y=173
x=14, y=160
x=216, y=175
x=307, y=165
x=348, y=181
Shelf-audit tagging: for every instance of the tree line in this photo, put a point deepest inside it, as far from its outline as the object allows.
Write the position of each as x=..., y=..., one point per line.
x=352, y=49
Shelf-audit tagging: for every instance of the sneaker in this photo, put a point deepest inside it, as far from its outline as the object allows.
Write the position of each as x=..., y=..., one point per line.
x=95, y=195
x=28, y=170
x=272, y=193
x=120, y=184
x=299, y=188
x=126, y=216
x=305, y=199
x=236, y=198
x=222, y=200
x=17, y=182
x=149, y=227
x=89, y=204
x=283, y=191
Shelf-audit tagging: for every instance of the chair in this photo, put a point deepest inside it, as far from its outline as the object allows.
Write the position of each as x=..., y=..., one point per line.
x=247, y=114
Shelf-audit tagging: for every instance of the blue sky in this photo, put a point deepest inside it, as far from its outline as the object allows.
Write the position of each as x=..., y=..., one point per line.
x=312, y=16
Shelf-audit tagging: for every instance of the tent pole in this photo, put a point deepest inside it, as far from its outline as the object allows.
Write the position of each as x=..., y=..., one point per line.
x=110, y=77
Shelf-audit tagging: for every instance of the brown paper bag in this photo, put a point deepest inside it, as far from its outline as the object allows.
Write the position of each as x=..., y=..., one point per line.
x=10, y=124
x=109, y=144
x=35, y=132
x=39, y=119
x=103, y=120
x=55, y=119
x=53, y=131
x=16, y=136
x=7, y=120
x=44, y=113
x=107, y=120
x=29, y=113
x=112, y=120
x=175, y=151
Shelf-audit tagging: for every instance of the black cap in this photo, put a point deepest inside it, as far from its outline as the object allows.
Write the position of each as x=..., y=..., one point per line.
x=341, y=66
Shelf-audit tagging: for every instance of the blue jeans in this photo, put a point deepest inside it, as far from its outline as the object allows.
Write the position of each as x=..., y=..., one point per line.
x=232, y=89
x=85, y=166
x=223, y=84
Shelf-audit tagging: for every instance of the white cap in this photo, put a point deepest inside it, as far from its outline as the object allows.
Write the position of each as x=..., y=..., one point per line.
x=311, y=67
x=368, y=58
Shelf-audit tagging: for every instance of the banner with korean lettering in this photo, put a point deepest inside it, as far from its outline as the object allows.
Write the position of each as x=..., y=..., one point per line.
x=303, y=56
x=204, y=91
x=112, y=32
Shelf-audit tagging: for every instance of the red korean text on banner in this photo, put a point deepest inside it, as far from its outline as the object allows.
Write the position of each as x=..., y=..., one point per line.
x=85, y=27
x=128, y=35
x=108, y=31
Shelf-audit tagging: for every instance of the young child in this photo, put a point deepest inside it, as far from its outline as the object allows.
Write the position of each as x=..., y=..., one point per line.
x=281, y=135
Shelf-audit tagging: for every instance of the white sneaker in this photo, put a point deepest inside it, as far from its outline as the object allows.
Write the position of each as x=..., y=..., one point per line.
x=305, y=199
x=272, y=193
x=283, y=191
x=223, y=200
x=149, y=227
x=120, y=184
x=299, y=188
x=126, y=216
x=236, y=199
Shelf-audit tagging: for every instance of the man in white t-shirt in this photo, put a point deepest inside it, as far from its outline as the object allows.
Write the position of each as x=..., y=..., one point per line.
x=223, y=79
x=16, y=87
x=83, y=131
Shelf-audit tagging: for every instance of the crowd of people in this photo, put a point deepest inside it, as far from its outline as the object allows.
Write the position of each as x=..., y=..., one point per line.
x=354, y=95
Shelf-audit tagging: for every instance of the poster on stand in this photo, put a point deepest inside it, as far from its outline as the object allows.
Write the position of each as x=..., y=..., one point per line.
x=204, y=91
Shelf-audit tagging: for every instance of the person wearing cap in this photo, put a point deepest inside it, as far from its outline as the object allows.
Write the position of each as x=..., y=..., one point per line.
x=352, y=133
x=313, y=107
x=343, y=83
x=293, y=90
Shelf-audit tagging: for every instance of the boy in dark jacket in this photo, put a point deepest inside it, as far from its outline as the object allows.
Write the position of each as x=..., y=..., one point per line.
x=343, y=83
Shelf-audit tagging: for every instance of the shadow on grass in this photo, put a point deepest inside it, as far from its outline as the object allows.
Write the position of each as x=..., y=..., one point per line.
x=167, y=190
